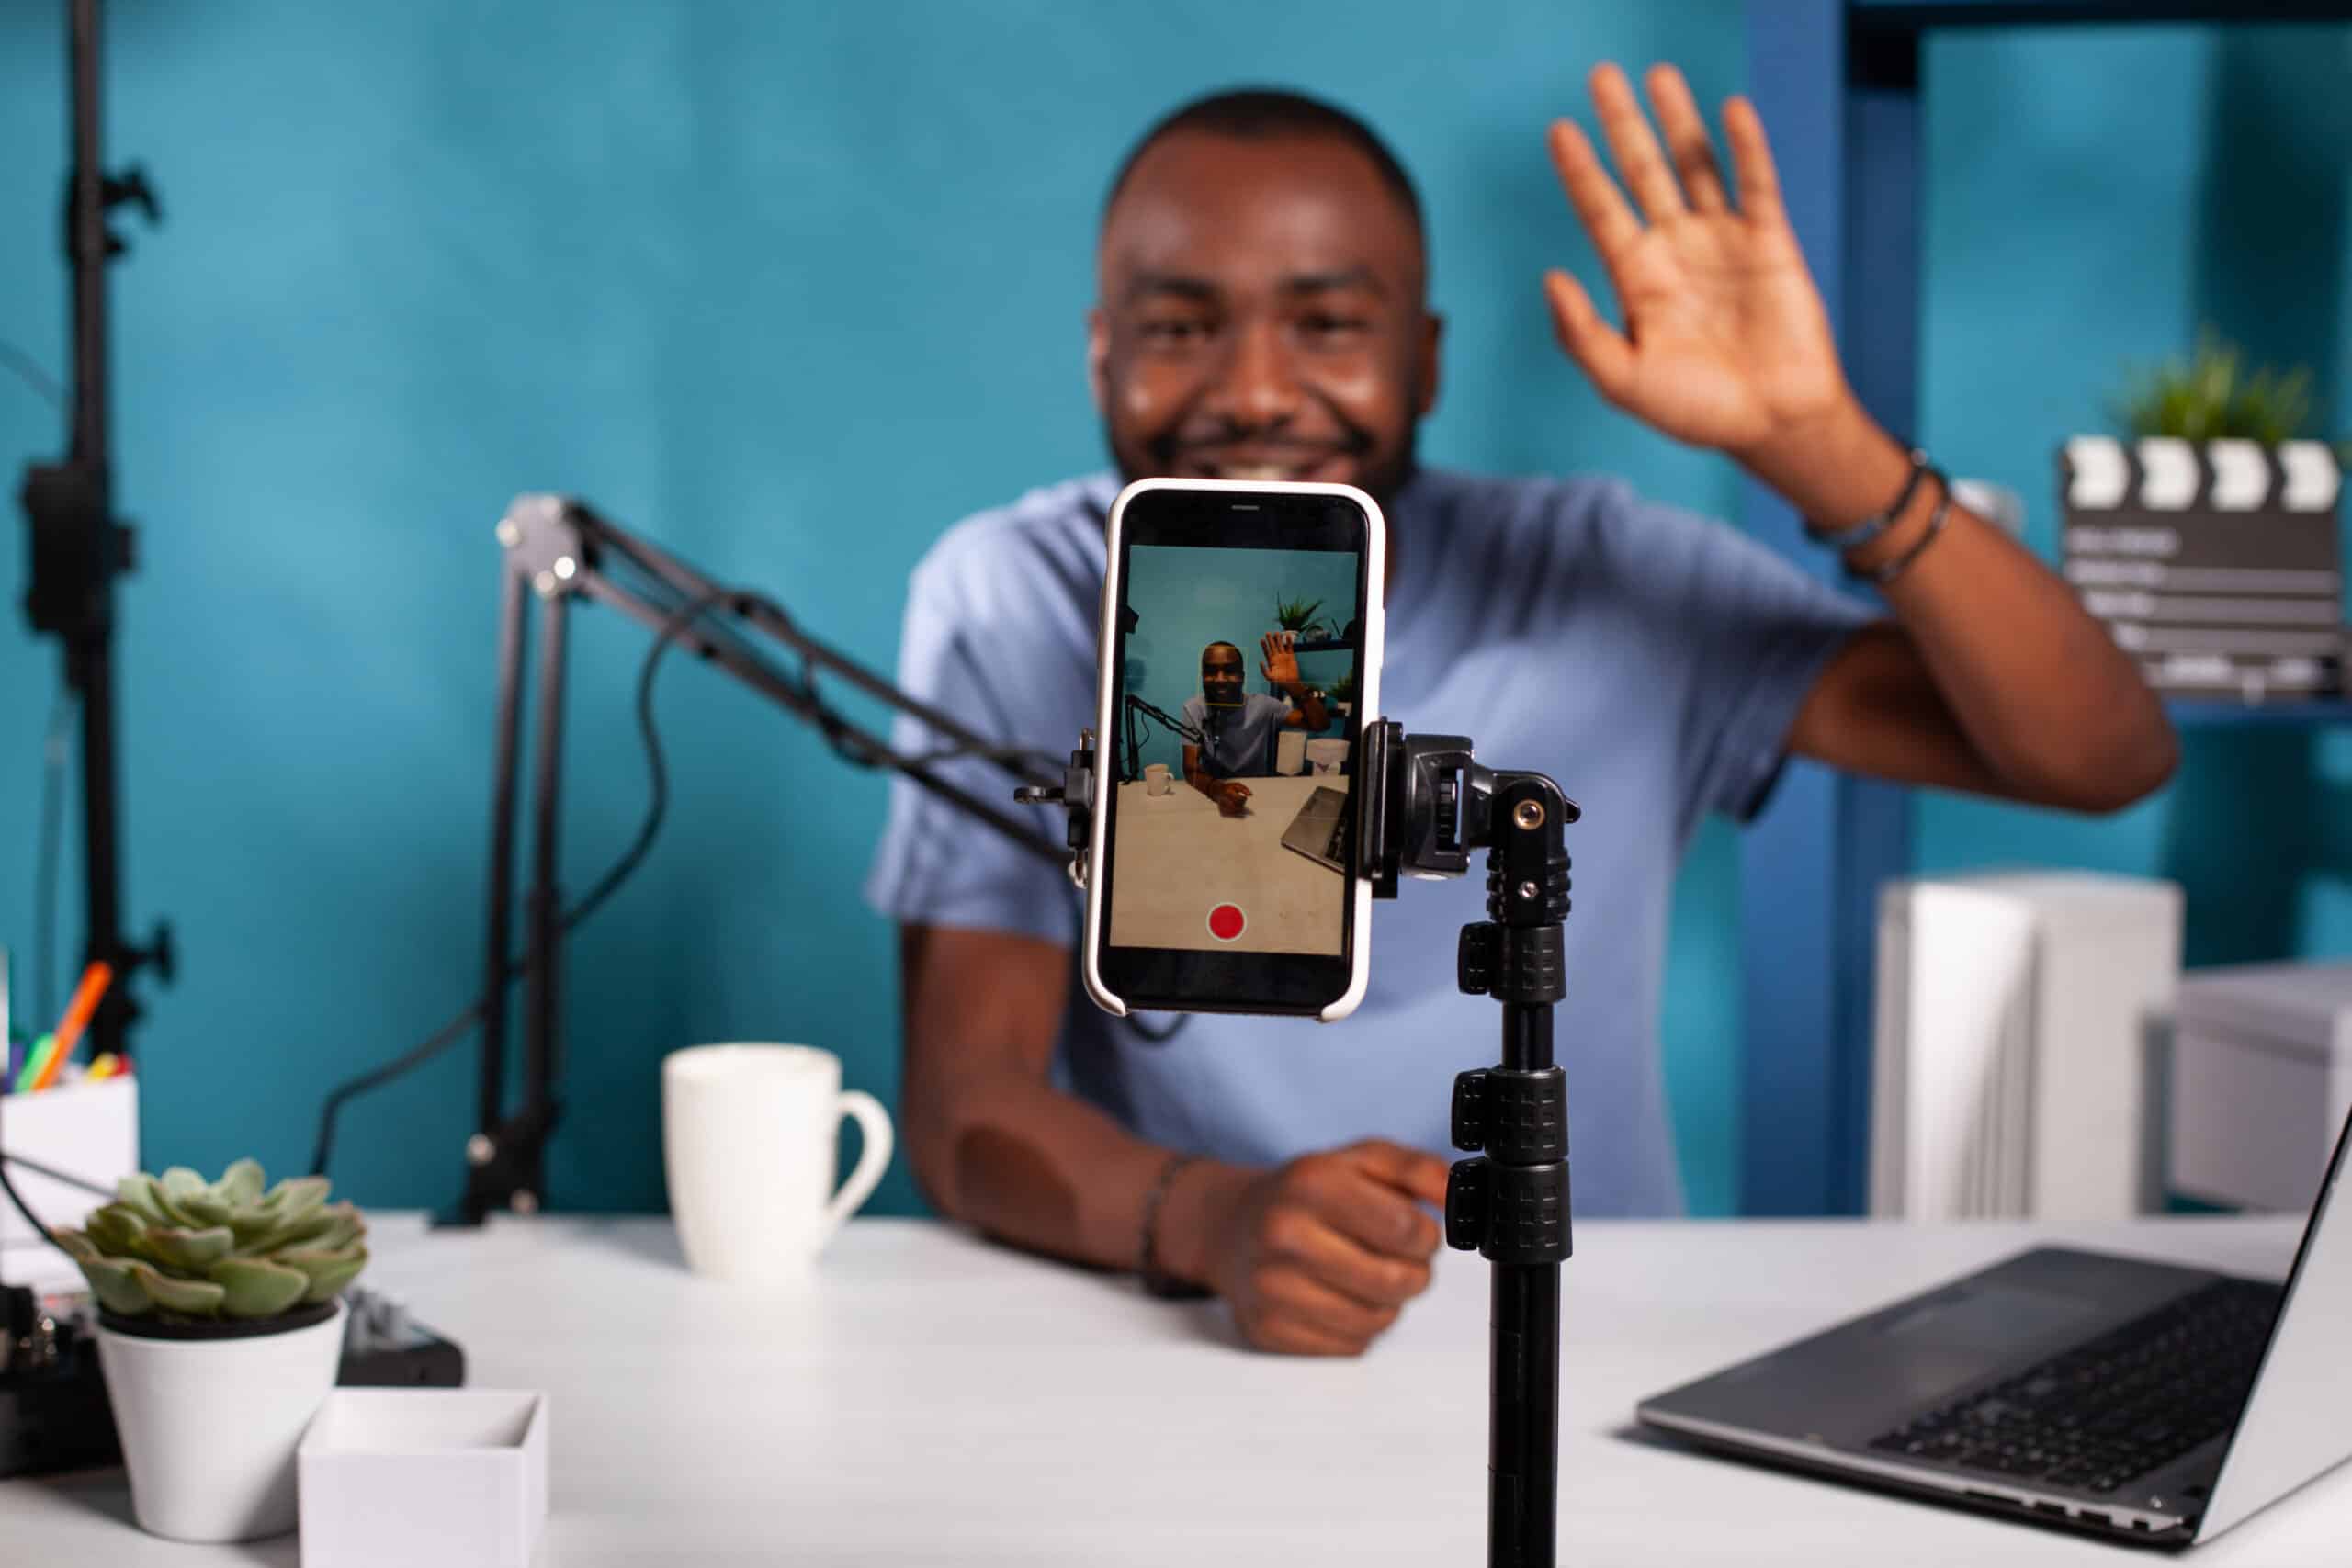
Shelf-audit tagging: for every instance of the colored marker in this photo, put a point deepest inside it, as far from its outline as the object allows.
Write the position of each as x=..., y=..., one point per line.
x=107, y=1065
x=78, y=1013
x=35, y=1063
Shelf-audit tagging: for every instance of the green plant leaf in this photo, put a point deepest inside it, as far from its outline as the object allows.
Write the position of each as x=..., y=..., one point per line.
x=328, y=1272
x=241, y=1183
x=187, y=1252
x=297, y=1193
x=1294, y=614
x=144, y=1193
x=2210, y=396
x=190, y=1298
x=116, y=1229
x=207, y=1209
x=180, y=1182
x=117, y=1286
x=253, y=1287
x=82, y=1248
x=278, y=1213
x=319, y=1229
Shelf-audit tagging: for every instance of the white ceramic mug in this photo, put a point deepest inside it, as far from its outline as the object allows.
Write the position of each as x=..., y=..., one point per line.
x=749, y=1139
x=1156, y=779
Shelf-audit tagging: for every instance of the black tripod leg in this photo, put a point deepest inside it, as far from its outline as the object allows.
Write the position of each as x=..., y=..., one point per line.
x=1523, y=1436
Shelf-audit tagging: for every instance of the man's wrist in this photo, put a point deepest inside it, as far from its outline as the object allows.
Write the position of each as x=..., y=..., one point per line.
x=1189, y=1213
x=1837, y=469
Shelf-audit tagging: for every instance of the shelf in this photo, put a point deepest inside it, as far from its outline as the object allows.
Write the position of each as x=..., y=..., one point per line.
x=2220, y=713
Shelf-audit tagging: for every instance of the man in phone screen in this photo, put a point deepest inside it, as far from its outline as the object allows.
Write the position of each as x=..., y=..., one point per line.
x=1238, y=726
x=1262, y=312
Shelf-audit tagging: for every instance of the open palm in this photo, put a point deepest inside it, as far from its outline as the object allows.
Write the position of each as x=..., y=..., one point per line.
x=1725, y=343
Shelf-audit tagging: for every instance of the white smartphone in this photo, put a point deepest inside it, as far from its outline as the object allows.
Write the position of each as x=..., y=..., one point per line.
x=1240, y=658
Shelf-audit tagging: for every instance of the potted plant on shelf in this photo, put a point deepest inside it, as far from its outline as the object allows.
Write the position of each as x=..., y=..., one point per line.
x=1296, y=616
x=2206, y=537
x=1343, y=694
x=220, y=1332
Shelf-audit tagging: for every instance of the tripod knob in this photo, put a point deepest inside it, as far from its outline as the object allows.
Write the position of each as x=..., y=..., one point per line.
x=1466, y=1204
x=1470, y=1110
x=1473, y=963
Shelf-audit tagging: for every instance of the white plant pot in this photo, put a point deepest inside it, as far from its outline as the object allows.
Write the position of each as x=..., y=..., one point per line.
x=209, y=1426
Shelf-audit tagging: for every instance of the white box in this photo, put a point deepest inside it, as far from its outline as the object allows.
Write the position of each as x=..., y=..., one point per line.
x=403, y=1477
x=87, y=1130
x=2010, y=1065
x=2261, y=1082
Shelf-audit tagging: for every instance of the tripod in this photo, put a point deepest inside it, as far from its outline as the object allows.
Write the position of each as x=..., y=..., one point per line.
x=1424, y=805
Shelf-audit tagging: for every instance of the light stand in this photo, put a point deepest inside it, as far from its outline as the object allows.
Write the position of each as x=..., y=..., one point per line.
x=79, y=547
x=1424, y=804
x=557, y=550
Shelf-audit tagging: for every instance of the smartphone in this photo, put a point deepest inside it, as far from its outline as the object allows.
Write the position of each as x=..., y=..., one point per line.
x=1240, y=659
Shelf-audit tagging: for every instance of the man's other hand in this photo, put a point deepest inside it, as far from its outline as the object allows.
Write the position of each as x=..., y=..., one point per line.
x=1726, y=341
x=1232, y=796
x=1279, y=665
x=1319, y=1257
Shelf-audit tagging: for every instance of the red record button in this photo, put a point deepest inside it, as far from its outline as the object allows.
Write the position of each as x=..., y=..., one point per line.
x=1225, y=922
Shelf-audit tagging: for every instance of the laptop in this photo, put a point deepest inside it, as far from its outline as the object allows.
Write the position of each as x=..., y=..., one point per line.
x=2140, y=1401
x=1319, y=831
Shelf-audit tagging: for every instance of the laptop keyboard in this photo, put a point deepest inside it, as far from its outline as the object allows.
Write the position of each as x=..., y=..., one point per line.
x=2099, y=1416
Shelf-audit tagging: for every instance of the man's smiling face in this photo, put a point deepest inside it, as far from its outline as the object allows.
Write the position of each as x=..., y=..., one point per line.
x=1221, y=675
x=1261, y=315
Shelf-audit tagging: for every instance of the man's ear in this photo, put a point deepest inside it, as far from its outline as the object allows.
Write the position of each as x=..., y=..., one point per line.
x=1432, y=336
x=1098, y=359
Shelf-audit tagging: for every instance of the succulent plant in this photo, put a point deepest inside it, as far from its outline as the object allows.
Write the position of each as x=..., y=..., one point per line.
x=179, y=1247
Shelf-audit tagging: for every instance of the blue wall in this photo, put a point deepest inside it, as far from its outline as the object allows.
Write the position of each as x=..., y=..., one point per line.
x=2094, y=196
x=787, y=287
x=790, y=289
x=1187, y=598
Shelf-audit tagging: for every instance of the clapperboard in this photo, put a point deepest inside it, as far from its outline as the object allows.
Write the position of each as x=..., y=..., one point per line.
x=2216, y=564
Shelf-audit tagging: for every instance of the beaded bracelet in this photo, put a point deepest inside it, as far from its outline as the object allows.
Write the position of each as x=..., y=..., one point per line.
x=1869, y=528
x=1887, y=571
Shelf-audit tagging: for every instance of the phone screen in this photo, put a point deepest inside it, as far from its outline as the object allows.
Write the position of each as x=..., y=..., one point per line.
x=1228, y=876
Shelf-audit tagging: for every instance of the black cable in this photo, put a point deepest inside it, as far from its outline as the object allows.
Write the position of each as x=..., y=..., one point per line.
x=65, y=1177
x=838, y=735
x=657, y=807
x=45, y=855
x=29, y=370
x=17, y=1200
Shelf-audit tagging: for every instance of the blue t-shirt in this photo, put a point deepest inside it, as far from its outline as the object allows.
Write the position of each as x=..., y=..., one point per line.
x=1650, y=661
x=1238, y=742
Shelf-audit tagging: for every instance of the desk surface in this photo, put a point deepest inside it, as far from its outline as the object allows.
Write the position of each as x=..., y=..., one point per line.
x=1180, y=858
x=928, y=1398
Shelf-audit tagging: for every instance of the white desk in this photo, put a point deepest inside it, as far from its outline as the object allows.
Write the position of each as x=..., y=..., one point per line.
x=930, y=1399
x=1180, y=857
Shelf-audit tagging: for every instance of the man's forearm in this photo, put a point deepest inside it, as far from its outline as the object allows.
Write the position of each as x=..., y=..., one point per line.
x=2055, y=711
x=1033, y=1166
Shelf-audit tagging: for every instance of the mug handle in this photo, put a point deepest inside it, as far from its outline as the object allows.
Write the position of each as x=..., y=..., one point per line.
x=875, y=1122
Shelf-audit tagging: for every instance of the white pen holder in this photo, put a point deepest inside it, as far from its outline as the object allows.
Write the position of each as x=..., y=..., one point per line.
x=85, y=1130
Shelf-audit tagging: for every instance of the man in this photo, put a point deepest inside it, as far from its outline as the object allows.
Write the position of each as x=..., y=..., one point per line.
x=1261, y=315
x=1237, y=727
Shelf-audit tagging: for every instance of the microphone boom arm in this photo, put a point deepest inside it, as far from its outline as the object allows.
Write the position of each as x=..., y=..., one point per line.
x=557, y=549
